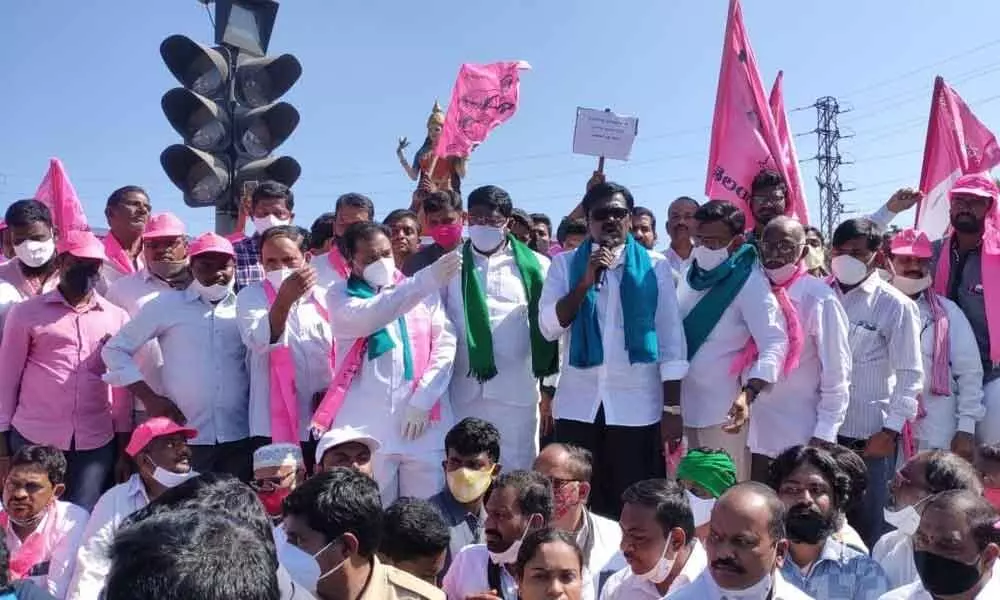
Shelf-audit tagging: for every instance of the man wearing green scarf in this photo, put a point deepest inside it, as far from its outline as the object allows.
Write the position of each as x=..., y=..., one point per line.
x=727, y=304
x=501, y=356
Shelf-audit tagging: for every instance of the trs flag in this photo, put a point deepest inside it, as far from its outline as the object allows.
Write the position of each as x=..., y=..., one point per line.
x=789, y=158
x=484, y=97
x=58, y=194
x=957, y=144
x=744, y=136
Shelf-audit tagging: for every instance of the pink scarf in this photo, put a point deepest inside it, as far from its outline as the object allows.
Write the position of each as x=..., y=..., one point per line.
x=34, y=549
x=418, y=325
x=990, y=260
x=337, y=261
x=940, y=371
x=792, y=323
x=284, y=405
x=118, y=256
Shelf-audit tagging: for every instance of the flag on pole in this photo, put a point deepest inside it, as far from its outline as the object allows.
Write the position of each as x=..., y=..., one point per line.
x=957, y=144
x=58, y=194
x=744, y=136
x=796, y=203
x=484, y=97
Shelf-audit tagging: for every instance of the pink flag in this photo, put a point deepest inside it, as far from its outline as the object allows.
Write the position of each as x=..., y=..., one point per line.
x=789, y=157
x=484, y=97
x=957, y=144
x=58, y=194
x=744, y=136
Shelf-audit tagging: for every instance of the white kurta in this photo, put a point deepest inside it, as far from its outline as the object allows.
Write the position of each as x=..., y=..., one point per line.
x=812, y=400
x=704, y=588
x=309, y=338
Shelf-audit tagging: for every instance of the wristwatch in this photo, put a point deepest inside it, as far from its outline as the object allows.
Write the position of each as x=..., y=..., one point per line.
x=672, y=410
x=751, y=393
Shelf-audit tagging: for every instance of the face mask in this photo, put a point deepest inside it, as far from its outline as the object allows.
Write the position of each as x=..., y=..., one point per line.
x=565, y=499
x=885, y=275
x=467, y=485
x=276, y=278
x=661, y=570
x=485, y=237
x=807, y=526
x=262, y=224
x=447, y=235
x=848, y=270
x=30, y=522
x=701, y=508
x=782, y=274
x=212, y=293
x=167, y=269
x=339, y=566
x=707, y=259
x=757, y=591
x=34, y=253
x=815, y=257
x=907, y=520
x=273, y=499
x=944, y=576
x=509, y=555
x=380, y=273
x=169, y=479
x=910, y=286
x=82, y=277
x=992, y=495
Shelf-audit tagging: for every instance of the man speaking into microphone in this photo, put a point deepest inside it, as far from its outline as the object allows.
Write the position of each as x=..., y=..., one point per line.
x=623, y=351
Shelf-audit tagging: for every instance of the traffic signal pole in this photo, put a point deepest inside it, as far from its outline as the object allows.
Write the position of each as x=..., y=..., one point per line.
x=226, y=211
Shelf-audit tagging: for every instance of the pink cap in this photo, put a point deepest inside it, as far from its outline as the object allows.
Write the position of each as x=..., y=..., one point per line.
x=975, y=184
x=912, y=242
x=81, y=244
x=163, y=225
x=152, y=429
x=211, y=242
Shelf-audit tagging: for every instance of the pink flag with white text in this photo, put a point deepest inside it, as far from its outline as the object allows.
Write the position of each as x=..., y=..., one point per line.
x=58, y=194
x=744, y=136
x=796, y=205
x=484, y=97
x=957, y=144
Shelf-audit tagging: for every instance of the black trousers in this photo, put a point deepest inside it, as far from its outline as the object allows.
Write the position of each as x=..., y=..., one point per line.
x=622, y=456
x=234, y=458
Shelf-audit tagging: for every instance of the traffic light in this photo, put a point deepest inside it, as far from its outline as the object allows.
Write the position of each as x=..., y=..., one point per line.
x=229, y=118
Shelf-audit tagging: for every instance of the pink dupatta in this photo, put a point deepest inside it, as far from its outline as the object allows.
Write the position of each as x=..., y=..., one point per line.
x=338, y=262
x=990, y=260
x=792, y=323
x=33, y=549
x=284, y=405
x=418, y=325
x=118, y=256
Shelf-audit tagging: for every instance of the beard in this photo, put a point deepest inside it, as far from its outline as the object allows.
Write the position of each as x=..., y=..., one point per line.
x=966, y=223
x=808, y=526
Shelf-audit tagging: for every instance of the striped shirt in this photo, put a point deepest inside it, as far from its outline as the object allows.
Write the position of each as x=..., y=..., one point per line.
x=887, y=374
x=840, y=572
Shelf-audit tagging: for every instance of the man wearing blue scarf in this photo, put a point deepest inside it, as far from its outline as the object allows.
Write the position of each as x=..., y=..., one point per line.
x=614, y=305
x=735, y=332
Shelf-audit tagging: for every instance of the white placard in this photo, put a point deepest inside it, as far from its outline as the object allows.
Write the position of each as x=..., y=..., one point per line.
x=603, y=133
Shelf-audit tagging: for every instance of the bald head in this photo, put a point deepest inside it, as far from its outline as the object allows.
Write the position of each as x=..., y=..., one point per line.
x=787, y=227
x=959, y=518
x=564, y=461
x=754, y=501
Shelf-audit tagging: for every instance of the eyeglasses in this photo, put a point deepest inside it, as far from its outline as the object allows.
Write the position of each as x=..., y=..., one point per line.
x=560, y=483
x=770, y=200
x=782, y=248
x=487, y=220
x=609, y=212
x=970, y=203
x=270, y=483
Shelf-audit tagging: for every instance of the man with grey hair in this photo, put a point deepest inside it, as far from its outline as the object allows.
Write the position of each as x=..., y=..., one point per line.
x=808, y=402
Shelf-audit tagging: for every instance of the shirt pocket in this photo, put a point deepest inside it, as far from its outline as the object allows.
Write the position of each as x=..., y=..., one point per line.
x=867, y=342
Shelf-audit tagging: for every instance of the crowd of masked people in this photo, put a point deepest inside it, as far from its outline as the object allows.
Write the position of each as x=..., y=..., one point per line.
x=461, y=402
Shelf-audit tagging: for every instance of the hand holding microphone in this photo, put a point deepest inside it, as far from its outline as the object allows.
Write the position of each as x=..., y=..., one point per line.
x=601, y=258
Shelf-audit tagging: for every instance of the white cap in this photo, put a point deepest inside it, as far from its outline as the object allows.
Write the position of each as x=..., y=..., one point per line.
x=342, y=435
x=278, y=455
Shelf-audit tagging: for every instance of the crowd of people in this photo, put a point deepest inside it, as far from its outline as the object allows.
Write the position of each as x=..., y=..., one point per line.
x=467, y=402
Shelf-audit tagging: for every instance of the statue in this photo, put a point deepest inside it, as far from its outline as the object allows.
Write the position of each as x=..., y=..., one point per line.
x=431, y=172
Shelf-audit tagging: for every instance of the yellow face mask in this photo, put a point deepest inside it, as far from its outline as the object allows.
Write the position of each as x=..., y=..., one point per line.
x=467, y=485
x=815, y=258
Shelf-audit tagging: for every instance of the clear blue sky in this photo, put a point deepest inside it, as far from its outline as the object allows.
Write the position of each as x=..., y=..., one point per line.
x=83, y=81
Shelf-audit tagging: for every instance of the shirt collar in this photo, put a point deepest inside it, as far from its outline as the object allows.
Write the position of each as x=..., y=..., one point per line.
x=135, y=487
x=456, y=510
x=54, y=296
x=192, y=295
x=504, y=249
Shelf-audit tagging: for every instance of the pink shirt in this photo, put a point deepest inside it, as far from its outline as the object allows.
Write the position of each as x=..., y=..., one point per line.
x=50, y=373
x=10, y=272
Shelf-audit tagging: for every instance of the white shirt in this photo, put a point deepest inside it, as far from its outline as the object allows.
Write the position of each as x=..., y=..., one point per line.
x=625, y=585
x=326, y=275
x=606, y=557
x=887, y=372
x=916, y=591
x=132, y=293
x=704, y=588
x=894, y=553
x=678, y=264
x=964, y=407
x=93, y=562
x=812, y=400
x=507, y=303
x=708, y=390
x=300, y=565
x=9, y=296
x=307, y=335
x=467, y=576
x=60, y=548
x=379, y=396
x=204, y=361
x=632, y=394
x=110, y=273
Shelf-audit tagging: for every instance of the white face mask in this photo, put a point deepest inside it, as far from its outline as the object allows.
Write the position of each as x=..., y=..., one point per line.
x=782, y=274
x=848, y=270
x=707, y=259
x=486, y=238
x=758, y=591
x=815, y=257
x=212, y=293
x=34, y=253
x=906, y=520
x=661, y=570
x=380, y=273
x=339, y=566
x=509, y=555
x=276, y=278
x=701, y=508
x=910, y=286
x=262, y=224
x=169, y=479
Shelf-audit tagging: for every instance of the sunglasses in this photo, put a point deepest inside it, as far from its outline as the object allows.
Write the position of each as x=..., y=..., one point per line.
x=608, y=212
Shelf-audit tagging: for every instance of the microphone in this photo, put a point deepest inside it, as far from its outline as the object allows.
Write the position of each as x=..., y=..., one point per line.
x=602, y=273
